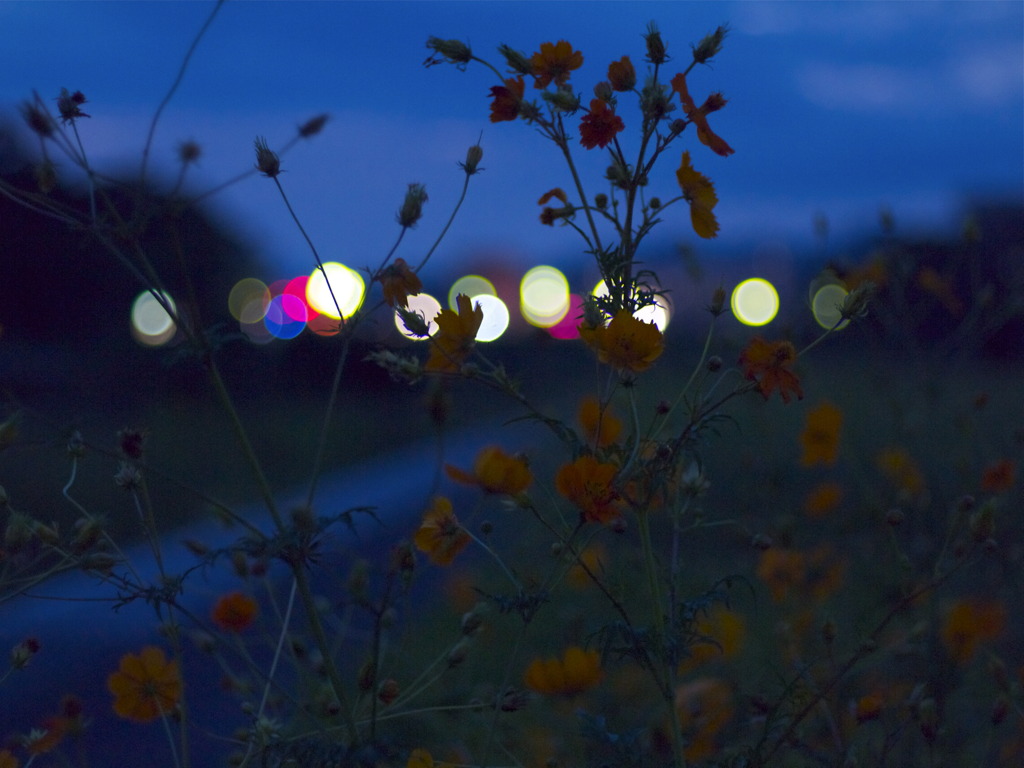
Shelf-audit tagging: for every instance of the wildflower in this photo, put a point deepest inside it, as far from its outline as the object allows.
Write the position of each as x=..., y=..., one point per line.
x=698, y=116
x=767, y=363
x=554, y=62
x=999, y=477
x=412, y=205
x=704, y=708
x=600, y=426
x=820, y=438
x=399, y=283
x=709, y=47
x=781, y=570
x=588, y=484
x=655, y=45
x=234, y=612
x=518, y=62
x=420, y=758
x=456, y=332
x=557, y=192
x=146, y=686
x=440, y=536
x=822, y=499
x=699, y=192
x=506, y=99
x=577, y=671
x=496, y=472
x=69, y=105
x=720, y=633
x=591, y=559
x=599, y=126
x=267, y=161
x=970, y=622
x=622, y=75
x=473, y=157
x=626, y=343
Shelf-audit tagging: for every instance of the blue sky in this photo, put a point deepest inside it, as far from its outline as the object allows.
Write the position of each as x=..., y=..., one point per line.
x=835, y=107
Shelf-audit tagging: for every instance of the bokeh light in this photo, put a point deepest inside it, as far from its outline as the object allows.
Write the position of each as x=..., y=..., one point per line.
x=347, y=285
x=150, y=323
x=248, y=300
x=658, y=313
x=428, y=307
x=280, y=318
x=755, y=302
x=544, y=296
x=472, y=286
x=298, y=309
x=496, y=317
x=825, y=304
x=568, y=326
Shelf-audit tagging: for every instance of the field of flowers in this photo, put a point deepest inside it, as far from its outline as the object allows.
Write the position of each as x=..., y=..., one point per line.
x=796, y=548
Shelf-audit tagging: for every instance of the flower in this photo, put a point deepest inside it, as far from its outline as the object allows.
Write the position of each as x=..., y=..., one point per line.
x=69, y=105
x=820, y=438
x=999, y=477
x=822, y=499
x=901, y=469
x=577, y=671
x=507, y=98
x=704, y=708
x=495, y=471
x=456, y=331
x=234, y=612
x=554, y=62
x=699, y=192
x=720, y=633
x=45, y=739
x=420, y=758
x=588, y=483
x=399, y=283
x=146, y=686
x=622, y=75
x=698, y=116
x=600, y=426
x=868, y=707
x=599, y=126
x=440, y=536
x=781, y=570
x=556, y=192
x=968, y=623
x=767, y=363
x=626, y=343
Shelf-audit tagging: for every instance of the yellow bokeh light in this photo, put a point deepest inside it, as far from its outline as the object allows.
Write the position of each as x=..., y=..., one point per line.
x=755, y=302
x=825, y=305
x=151, y=325
x=658, y=313
x=248, y=300
x=472, y=286
x=346, y=284
x=544, y=296
x=496, y=317
x=425, y=305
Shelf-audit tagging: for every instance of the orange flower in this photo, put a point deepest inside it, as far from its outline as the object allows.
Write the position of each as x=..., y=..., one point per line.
x=420, y=758
x=557, y=192
x=554, y=62
x=721, y=634
x=625, y=343
x=146, y=686
x=699, y=192
x=781, y=570
x=48, y=737
x=440, y=535
x=7, y=759
x=577, y=671
x=593, y=557
x=399, y=283
x=820, y=438
x=698, y=116
x=869, y=707
x=600, y=426
x=456, y=331
x=234, y=612
x=902, y=470
x=495, y=471
x=622, y=75
x=599, y=126
x=999, y=477
x=970, y=622
x=587, y=483
x=507, y=99
x=704, y=708
x=822, y=499
x=767, y=363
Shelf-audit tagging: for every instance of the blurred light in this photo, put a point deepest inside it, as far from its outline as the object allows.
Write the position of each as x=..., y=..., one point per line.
x=279, y=318
x=151, y=325
x=658, y=313
x=248, y=300
x=257, y=332
x=755, y=302
x=472, y=286
x=322, y=325
x=347, y=286
x=496, y=317
x=825, y=305
x=299, y=309
x=567, y=327
x=544, y=296
x=427, y=306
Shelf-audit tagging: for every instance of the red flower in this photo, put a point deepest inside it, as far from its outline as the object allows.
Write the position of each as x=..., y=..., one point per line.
x=599, y=126
x=698, y=116
x=767, y=363
x=554, y=62
x=622, y=75
x=506, y=100
x=234, y=612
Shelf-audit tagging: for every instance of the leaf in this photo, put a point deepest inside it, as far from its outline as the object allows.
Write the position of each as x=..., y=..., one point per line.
x=699, y=191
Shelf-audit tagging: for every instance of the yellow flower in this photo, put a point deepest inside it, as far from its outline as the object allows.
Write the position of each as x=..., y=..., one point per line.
x=820, y=438
x=440, y=536
x=146, y=686
x=554, y=62
x=600, y=426
x=822, y=499
x=456, y=332
x=399, y=283
x=767, y=363
x=420, y=758
x=699, y=192
x=968, y=623
x=496, y=472
x=721, y=634
x=626, y=343
x=7, y=759
x=577, y=671
x=587, y=483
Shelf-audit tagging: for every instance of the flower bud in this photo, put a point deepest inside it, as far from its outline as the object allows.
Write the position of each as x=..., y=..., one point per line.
x=367, y=675
x=717, y=305
x=412, y=207
x=518, y=63
x=603, y=91
x=622, y=75
x=709, y=47
x=22, y=653
x=387, y=691
x=103, y=562
x=19, y=532
x=473, y=157
x=267, y=161
x=655, y=45
x=601, y=200
x=89, y=530
x=413, y=321
x=453, y=51
x=128, y=476
x=655, y=203
x=68, y=104
x=714, y=364
x=38, y=119
x=313, y=126
x=189, y=152
x=563, y=100
x=457, y=655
